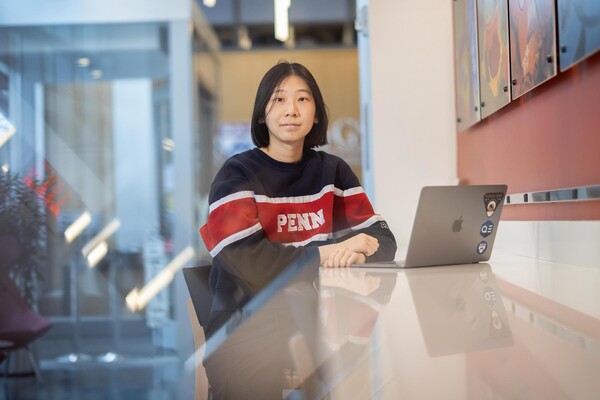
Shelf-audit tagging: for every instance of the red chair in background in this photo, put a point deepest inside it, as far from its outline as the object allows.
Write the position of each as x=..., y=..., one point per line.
x=20, y=326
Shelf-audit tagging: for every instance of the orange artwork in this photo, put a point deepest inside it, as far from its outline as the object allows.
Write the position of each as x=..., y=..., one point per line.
x=532, y=44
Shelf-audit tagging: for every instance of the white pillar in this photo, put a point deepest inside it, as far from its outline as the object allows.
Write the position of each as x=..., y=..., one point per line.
x=412, y=91
x=181, y=86
x=135, y=164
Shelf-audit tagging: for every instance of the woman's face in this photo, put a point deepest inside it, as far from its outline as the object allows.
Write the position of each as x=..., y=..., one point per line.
x=290, y=114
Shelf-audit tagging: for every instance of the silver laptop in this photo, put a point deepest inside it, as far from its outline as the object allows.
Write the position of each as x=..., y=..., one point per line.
x=453, y=225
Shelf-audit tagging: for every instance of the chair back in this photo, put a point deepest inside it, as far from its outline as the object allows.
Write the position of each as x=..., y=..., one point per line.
x=196, y=279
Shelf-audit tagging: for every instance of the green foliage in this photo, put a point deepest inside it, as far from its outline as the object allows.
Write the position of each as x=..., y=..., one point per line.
x=22, y=215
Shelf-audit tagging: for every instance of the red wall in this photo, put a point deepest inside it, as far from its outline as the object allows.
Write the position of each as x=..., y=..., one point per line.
x=547, y=139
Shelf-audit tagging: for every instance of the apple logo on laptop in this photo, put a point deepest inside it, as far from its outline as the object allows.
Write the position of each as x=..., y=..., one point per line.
x=457, y=225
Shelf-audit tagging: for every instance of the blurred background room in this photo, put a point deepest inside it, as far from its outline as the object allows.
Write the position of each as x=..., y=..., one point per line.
x=115, y=116
x=119, y=115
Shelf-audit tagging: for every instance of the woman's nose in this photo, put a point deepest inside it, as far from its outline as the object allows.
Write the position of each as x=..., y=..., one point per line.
x=292, y=111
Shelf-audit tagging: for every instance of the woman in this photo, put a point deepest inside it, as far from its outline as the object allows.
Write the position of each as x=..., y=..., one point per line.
x=283, y=203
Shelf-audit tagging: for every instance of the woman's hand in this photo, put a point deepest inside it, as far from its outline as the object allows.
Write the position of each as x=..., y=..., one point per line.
x=362, y=243
x=351, y=251
x=343, y=257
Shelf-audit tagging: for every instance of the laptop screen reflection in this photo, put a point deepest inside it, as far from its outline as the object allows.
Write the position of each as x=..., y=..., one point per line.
x=460, y=309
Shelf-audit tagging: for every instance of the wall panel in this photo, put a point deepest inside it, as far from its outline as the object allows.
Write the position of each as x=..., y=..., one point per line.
x=548, y=139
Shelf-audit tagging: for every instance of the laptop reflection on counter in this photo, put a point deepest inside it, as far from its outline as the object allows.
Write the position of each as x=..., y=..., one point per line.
x=460, y=309
x=453, y=225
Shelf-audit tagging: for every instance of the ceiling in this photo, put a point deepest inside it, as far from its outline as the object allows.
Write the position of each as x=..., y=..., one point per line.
x=248, y=24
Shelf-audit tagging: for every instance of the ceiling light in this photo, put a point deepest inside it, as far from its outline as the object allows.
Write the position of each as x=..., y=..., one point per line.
x=97, y=254
x=168, y=144
x=83, y=62
x=96, y=74
x=104, y=234
x=244, y=40
x=7, y=130
x=77, y=226
x=282, y=22
x=138, y=298
x=290, y=43
x=209, y=3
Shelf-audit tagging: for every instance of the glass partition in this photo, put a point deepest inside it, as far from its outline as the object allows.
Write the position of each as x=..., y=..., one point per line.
x=89, y=111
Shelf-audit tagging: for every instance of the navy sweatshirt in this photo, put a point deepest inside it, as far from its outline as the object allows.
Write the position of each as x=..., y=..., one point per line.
x=265, y=215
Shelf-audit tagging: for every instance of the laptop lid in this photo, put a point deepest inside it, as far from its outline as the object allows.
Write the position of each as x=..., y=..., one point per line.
x=452, y=225
x=455, y=225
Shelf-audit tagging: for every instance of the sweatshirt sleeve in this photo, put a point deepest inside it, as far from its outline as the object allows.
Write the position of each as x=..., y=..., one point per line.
x=387, y=241
x=236, y=240
x=354, y=214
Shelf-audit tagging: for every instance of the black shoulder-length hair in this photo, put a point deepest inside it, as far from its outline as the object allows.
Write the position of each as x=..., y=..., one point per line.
x=269, y=83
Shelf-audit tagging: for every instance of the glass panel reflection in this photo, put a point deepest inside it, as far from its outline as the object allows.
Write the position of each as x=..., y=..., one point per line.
x=90, y=109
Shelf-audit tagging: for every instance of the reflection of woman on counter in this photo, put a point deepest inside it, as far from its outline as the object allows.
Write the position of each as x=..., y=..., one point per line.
x=350, y=302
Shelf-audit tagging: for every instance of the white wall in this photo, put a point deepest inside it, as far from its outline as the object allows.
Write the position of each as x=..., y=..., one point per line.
x=565, y=242
x=413, y=130
x=412, y=75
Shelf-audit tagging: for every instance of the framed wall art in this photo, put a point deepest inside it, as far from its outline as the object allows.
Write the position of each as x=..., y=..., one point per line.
x=494, y=72
x=578, y=30
x=466, y=64
x=532, y=44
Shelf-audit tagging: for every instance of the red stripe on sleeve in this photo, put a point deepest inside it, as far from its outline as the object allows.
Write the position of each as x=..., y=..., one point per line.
x=351, y=211
x=227, y=220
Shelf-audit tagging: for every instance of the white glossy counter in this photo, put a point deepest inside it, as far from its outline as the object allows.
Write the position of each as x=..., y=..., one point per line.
x=514, y=328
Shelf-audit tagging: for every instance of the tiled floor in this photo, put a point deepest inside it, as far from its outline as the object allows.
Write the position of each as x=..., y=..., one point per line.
x=154, y=378
x=143, y=372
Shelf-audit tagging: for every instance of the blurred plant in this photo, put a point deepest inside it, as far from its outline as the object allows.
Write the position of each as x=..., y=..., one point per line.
x=22, y=216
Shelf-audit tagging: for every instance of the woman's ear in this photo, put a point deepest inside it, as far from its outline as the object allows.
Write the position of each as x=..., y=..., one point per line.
x=316, y=120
